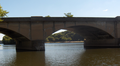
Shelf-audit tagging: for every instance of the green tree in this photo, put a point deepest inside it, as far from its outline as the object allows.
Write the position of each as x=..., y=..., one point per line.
x=2, y=13
x=51, y=39
x=68, y=15
x=66, y=38
x=8, y=40
x=47, y=16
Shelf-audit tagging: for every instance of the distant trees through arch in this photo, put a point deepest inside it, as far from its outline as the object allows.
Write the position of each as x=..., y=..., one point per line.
x=64, y=36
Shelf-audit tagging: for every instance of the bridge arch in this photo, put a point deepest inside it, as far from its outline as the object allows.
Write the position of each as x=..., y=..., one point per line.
x=19, y=38
x=86, y=31
x=95, y=37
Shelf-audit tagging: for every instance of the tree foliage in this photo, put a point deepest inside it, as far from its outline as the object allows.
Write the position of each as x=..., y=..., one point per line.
x=2, y=13
x=47, y=16
x=64, y=36
x=68, y=15
x=8, y=40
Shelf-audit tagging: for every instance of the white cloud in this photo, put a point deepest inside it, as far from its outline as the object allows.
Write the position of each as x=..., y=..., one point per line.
x=1, y=36
x=61, y=30
x=105, y=10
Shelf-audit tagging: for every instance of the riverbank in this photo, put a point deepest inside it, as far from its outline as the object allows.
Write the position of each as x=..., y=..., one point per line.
x=66, y=42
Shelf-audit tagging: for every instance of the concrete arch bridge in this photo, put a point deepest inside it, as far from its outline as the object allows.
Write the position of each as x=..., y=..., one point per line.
x=30, y=32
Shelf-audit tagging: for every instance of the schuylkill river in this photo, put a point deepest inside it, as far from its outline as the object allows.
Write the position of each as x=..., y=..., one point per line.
x=60, y=54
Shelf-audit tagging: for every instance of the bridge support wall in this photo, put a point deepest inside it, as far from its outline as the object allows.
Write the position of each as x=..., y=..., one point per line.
x=101, y=43
x=35, y=45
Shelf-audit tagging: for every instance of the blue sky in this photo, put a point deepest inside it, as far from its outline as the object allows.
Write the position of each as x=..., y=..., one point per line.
x=57, y=8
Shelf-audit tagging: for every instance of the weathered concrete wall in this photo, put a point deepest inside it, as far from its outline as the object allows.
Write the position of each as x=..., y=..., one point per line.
x=24, y=29
x=103, y=25
x=37, y=31
x=48, y=29
x=117, y=27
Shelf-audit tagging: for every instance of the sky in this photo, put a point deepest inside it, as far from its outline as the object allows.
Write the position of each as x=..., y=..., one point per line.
x=57, y=8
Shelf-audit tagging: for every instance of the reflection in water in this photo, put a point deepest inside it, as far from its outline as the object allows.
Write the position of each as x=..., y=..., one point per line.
x=1, y=47
x=101, y=57
x=7, y=56
x=32, y=58
x=63, y=54
x=58, y=54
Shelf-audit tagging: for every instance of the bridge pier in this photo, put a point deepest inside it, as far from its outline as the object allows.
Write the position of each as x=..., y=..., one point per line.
x=102, y=43
x=34, y=45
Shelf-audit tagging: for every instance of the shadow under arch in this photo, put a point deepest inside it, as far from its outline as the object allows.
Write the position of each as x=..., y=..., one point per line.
x=89, y=32
x=14, y=35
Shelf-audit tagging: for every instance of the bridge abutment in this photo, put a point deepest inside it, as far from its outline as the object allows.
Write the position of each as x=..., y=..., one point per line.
x=102, y=43
x=34, y=45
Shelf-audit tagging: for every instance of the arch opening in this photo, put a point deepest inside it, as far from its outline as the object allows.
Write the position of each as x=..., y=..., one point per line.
x=95, y=37
x=87, y=32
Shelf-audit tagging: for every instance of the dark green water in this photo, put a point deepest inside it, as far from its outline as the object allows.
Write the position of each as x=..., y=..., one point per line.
x=60, y=54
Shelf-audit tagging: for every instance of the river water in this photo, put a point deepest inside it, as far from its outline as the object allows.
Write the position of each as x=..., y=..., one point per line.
x=60, y=54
